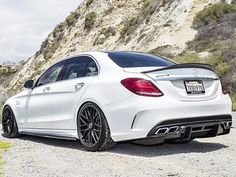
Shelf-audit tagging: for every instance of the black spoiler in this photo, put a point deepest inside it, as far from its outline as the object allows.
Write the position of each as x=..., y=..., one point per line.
x=185, y=65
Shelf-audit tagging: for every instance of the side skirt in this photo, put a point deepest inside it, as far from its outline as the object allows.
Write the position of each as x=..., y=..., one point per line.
x=51, y=133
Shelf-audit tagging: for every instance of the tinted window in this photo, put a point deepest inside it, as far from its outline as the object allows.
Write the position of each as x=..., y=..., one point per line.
x=51, y=75
x=80, y=67
x=129, y=60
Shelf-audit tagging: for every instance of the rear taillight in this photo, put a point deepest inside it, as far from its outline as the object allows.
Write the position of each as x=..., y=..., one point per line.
x=224, y=89
x=141, y=87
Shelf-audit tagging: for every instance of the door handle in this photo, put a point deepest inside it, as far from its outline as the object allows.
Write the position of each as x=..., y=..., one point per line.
x=79, y=85
x=46, y=89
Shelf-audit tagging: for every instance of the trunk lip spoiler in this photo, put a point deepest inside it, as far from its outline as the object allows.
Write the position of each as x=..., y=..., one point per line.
x=185, y=65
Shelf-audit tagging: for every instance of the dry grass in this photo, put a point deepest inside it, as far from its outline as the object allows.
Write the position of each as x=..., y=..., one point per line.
x=3, y=146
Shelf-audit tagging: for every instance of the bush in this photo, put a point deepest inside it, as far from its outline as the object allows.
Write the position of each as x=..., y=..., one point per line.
x=7, y=70
x=213, y=13
x=88, y=3
x=4, y=145
x=148, y=8
x=49, y=46
x=89, y=20
x=233, y=98
x=220, y=65
x=72, y=18
x=162, y=51
x=129, y=27
x=104, y=34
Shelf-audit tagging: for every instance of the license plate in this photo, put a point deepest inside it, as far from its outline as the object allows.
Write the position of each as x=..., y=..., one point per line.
x=194, y=87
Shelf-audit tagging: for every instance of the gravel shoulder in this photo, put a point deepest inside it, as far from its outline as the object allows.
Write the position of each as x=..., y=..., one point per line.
x=41, y=157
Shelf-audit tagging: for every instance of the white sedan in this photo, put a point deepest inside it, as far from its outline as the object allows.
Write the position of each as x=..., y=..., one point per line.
x=102, y=98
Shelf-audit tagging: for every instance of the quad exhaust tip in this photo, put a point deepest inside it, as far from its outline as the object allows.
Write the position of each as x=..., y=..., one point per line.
x=228, y=124
x=200, y=128
x=167, y=130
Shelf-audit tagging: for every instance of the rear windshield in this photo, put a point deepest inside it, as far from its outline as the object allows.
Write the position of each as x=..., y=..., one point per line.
x=129, y=60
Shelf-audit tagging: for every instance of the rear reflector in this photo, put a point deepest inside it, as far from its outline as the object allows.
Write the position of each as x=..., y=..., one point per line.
x=141, y=87
x=224, y=89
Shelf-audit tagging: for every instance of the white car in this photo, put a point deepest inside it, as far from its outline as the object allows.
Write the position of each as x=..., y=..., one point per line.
x=102, y=98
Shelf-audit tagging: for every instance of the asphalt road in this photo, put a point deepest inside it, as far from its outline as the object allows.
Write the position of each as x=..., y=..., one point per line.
x=42, y=157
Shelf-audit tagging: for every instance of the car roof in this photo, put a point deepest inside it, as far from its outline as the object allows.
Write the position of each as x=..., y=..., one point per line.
x=107, y=52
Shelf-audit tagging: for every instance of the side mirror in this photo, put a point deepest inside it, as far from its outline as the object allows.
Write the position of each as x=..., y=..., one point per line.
x=29, y=84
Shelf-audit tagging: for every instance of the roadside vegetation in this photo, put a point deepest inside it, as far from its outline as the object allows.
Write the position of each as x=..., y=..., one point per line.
x=216, y=26
x=233, y=97
x=219, y=64
x=3, y=146
x=103, y=34
x=212, y=14
x=7, y=70
x=50, y=45
x=88, y=3
x=148, y=8
x=89, y=21
x=215, y=43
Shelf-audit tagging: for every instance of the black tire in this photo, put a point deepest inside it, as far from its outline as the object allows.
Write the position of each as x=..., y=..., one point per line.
x=9, y=125
x=93, y=129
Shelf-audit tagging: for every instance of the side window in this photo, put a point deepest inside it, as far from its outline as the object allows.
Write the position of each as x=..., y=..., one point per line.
x=51, y=75
x=92, y=69
x=80, y=67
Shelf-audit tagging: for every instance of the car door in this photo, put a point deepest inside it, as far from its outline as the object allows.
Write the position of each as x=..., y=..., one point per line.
x=38, y=102
x=78, y=74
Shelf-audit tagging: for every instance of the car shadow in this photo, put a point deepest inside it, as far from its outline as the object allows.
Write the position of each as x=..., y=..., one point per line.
x=136, y=150
x=167, y=149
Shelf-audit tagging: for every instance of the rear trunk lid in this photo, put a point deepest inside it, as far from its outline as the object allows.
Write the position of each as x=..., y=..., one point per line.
x=185, y=82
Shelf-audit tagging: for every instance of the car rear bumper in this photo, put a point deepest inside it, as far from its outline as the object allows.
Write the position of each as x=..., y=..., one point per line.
x=137, y=118
x=190, y=128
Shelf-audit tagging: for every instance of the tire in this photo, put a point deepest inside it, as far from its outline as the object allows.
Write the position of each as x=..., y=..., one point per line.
x=93, y=129
x=9, y=125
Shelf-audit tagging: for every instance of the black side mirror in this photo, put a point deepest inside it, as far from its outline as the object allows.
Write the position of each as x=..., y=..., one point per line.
x=29, y=84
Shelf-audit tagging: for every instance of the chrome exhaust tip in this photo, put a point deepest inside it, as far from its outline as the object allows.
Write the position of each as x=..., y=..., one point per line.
x=162, y=131
x=227, y=124
x=167, y=130
x=173, y=129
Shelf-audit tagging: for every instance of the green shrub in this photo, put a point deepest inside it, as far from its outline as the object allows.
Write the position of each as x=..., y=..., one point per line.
x=148, y=8
x=104, y=34
x=129, y=27
x=220, y=65
x=72, y=18
x=162, y=51
x=233, y=98
x=4, y=145
x=213, y=13
x=88, y=3
x=89, y=20
x=7, y=70
x=49, y=46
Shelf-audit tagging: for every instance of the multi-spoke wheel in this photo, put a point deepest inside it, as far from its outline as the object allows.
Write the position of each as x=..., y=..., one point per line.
x=9, y=126
x=93, y=129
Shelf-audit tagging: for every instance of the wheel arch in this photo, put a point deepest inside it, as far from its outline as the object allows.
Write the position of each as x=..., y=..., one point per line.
x=10, y=104
x=82, y=104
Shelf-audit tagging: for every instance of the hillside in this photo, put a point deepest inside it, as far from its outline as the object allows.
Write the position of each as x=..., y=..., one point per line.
x=102, y=24
x=169, y=28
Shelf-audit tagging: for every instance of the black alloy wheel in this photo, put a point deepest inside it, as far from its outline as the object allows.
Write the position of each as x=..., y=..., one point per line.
x=9, y=126
x=93, y=129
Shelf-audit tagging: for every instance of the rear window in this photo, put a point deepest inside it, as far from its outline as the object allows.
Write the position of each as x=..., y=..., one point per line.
x=129, y=60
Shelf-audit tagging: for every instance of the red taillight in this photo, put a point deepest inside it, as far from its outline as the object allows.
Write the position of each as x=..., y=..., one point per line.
x=224, y=89
x=141, y=87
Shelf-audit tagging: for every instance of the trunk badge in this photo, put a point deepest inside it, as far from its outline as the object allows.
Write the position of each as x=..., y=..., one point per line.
x=195, y=72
